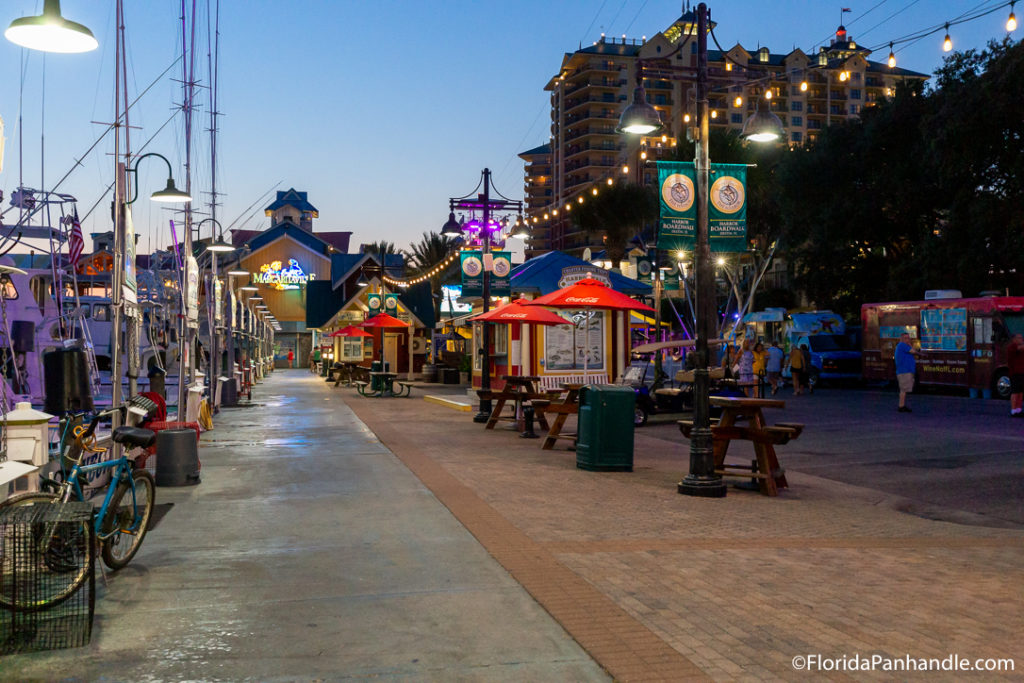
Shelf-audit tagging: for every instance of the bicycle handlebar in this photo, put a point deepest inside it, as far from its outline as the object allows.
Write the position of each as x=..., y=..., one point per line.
x=99, y=416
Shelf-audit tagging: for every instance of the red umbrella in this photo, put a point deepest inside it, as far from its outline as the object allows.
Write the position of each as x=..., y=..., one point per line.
x=383, y=320
x=350, y=331
x=519, y=312
x=589, y=294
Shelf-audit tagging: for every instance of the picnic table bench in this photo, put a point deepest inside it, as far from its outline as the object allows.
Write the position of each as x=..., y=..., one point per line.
x=766, y=469
x=569, y=405
x=517, y=389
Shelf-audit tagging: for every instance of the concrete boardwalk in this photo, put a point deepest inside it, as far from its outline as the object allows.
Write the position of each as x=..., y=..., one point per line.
x=309, y=552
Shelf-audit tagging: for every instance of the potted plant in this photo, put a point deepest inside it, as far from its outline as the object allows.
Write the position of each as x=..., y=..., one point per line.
x=465, y=366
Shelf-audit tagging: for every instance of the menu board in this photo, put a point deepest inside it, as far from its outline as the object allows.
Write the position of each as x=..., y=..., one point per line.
x=565, y=345
x=944, y=329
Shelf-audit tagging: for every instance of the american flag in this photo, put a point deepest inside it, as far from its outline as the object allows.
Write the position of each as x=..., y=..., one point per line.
x=75, y=242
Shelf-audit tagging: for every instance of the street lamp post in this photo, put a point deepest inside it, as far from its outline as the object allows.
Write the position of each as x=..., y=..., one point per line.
x=487, y=205
x=216, y=246
x=640, y=117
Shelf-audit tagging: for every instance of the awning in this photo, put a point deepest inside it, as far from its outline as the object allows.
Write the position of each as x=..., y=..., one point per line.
x=640, y=319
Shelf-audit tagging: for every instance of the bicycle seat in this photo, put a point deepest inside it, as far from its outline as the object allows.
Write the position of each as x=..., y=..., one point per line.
x=134, y=436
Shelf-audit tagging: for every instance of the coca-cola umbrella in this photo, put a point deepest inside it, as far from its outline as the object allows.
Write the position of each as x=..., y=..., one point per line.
x=383, y=320
x=350, y=331
x=519, y=312
x=586, y=295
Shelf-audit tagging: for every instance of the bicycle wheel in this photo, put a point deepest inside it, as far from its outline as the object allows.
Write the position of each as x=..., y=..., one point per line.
x=45, y=567
x=127, y=519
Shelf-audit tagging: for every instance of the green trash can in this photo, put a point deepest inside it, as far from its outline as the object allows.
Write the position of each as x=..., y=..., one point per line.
x=376, y=382
x=604, y=441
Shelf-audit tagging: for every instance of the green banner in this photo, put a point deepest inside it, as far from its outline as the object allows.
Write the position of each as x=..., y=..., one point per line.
x=727, y=206
x=472, y=273
x=375, y=302
x=391, y=305
x=501, y=270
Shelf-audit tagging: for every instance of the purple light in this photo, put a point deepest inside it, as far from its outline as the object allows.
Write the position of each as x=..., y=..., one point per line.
x=473, y=226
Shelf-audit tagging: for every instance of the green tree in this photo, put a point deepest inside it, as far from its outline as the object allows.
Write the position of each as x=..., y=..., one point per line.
x=423, y=256
x=617, y=213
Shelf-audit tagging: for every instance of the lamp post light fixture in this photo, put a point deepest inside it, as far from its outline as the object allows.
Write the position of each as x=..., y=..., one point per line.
x=50, y=32
x=169, y=194
x=764, y=126
x=487, y=206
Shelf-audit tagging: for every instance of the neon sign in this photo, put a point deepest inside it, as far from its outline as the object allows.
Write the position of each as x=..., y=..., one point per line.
x=291, y=277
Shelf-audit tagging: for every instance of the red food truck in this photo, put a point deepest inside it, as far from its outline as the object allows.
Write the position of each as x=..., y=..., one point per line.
x=961, y=342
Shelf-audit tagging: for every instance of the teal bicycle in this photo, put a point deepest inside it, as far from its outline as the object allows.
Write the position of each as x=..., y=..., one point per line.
x=119, y=525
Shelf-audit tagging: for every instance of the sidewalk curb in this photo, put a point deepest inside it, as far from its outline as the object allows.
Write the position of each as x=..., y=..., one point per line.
x=449, y=403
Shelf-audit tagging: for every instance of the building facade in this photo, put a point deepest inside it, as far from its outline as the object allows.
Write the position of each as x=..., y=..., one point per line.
x=809, y=92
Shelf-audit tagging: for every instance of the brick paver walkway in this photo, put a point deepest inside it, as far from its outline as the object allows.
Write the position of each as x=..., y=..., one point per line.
x=658, y=586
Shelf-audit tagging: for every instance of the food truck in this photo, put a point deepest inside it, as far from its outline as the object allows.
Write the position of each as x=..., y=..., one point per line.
x=824, y=333
x=961, y=342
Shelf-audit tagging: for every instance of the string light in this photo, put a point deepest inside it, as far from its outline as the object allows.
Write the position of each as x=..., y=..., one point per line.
x=892, y=57
x=1011, y=23
x=714, y=114
x=594, y=192
x=803, y=86
x=947, y=44
x=843, y=75
x=686, y=118
x=609, y=181
x=768, y=94
x=625, y=168
x=643, y=155
x=738, y=102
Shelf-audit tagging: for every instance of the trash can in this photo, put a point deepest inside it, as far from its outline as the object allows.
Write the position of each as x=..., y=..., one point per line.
x=376, y=382
x=177, y=457
x=605, y=436
x=157, y=379
x=451, y=375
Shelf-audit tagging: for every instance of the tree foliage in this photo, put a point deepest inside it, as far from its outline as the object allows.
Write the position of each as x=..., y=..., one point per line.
x=432, y=249
x=618, y=213
x=921, y=192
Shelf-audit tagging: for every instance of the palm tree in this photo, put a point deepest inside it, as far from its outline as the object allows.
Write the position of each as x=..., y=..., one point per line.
x=380, y=249
x=432, y=249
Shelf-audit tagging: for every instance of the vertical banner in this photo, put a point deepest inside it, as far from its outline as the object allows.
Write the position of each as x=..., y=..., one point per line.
x=501, y=269
x=375, y=303
x=232, y=303
x=192, y=291
x=472, y=273
x=677, y=192
x=727, y=206
x=218, y=301
x=130, y=292
x=644, y=268
x=391, y=304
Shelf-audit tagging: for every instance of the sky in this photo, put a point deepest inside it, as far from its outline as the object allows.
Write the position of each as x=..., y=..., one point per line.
x=382, y=110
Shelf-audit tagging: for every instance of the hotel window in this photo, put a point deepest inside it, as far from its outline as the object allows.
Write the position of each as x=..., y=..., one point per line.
x=854, y=108
x=736, y=118
x=854, y=94
x=796, y=136
x=796, y=106
x=797, y=121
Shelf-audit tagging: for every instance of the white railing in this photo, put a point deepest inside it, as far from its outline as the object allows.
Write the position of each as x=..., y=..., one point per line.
x=548, y=382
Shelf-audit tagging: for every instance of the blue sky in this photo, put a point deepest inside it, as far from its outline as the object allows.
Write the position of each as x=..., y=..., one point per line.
x=380, y=110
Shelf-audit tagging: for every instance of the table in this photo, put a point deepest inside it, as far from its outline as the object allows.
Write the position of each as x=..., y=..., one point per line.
x=381, y=384
x=518, y=388
x=569, y=405
x=767, y=471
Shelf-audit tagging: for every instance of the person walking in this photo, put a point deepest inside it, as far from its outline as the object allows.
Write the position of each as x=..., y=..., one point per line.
x=314, y=361
x=796, y=367
x=773, y=365
x=745, y=362
x=291, y=358
x=808, y=368
x=906, y=364
x=1015, y=364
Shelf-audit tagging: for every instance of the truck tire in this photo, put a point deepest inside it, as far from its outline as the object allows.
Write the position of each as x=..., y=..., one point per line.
x=1001, y=384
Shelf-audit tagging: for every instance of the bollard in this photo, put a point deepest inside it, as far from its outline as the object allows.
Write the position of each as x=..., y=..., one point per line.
x=528, y=432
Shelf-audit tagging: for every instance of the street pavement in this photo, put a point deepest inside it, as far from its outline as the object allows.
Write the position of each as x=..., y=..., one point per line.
x=317, y=548
x=309, y=552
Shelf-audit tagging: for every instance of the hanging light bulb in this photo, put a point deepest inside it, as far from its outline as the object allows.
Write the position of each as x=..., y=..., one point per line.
x=625, y=168
x=947, y=44
x=594, y=192
x=580, y=199
x=1011, y=23
x=803, y=86
x=714, y=114
x=768, y=94
x=609, y=181
x=686, y=118
x=892, y=57
x=843, y=75
x=643, y=155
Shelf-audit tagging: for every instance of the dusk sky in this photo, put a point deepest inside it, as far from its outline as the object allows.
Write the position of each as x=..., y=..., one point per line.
x=381, y=111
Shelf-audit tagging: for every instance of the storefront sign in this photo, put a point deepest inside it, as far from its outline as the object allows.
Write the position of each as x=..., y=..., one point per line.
x=288, y=277
x=573, y=274
x=727, y=206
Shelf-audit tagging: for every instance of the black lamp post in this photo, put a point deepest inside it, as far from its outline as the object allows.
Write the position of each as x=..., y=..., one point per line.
x=484, y=203
x=640, y=117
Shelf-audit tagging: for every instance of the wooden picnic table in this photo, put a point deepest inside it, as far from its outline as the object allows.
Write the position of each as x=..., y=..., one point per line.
x=569, y=405
x=767, y=471
x=380, y=384
x=518, y=388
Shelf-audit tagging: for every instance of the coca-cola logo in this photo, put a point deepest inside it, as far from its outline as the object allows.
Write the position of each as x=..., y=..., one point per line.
x=581, y=299
x=512, y=315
